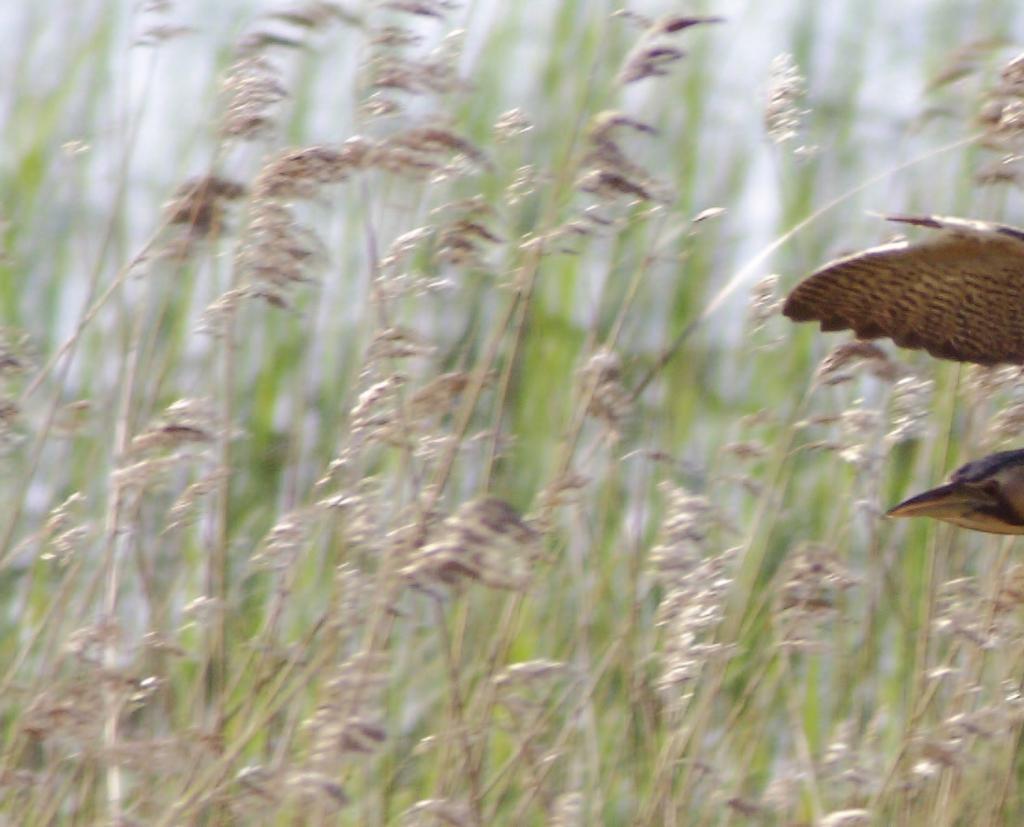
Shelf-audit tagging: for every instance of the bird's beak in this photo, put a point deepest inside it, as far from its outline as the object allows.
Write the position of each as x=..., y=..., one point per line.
x=947, y=502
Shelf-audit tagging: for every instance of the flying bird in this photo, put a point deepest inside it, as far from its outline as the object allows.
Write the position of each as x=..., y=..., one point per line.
x=984, y=495
x=958, y=294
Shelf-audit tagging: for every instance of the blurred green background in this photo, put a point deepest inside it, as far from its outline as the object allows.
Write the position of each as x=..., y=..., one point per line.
x=234, y=611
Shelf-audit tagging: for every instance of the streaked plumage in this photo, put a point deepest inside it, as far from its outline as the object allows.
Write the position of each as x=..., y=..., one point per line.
x=959, y=294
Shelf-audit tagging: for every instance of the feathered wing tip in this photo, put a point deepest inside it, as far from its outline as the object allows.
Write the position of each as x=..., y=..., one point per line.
x=958, y=294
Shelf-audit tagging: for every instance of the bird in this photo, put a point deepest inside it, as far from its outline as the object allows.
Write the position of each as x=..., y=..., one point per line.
x=984, y=495
x=959, y=295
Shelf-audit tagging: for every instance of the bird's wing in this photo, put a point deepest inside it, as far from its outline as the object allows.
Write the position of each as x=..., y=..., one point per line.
x=959, y=294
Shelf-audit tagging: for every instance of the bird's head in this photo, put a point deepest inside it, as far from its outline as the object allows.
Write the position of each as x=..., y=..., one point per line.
x=984, y=495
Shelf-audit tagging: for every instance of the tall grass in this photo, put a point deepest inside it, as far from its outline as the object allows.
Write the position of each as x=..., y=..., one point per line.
x=399, y=427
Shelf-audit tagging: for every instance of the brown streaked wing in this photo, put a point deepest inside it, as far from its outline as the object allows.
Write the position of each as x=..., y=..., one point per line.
x=959, y=294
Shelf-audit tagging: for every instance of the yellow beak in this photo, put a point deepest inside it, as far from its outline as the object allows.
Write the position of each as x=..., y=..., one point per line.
x=951, y=500
x=967, y=505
